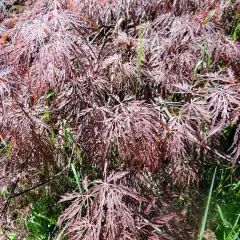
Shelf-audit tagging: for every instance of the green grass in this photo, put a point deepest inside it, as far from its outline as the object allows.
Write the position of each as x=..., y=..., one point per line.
x=204, y=221
x=76, y=177
x=42, y=220
x=225, y=214
x=231, y=231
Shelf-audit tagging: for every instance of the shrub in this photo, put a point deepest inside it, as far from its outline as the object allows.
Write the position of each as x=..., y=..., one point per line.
x=146, y=86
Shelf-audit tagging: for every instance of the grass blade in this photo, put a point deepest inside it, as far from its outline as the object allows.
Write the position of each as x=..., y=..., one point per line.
x=76, y=177
x=224, y=221
x=204, y=221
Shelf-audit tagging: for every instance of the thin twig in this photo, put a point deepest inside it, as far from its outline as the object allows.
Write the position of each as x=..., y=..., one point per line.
x=226, y=157
x=14, y=195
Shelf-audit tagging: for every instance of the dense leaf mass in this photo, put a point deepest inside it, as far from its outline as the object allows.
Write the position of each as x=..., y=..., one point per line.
x=140, y=84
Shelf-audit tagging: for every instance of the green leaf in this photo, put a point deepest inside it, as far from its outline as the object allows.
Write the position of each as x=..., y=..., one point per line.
x=235, y=33
x=12, y=236
x=50, y=95
x=46, y=114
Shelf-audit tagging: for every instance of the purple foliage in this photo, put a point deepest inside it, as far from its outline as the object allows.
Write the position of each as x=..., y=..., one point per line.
x=83, y=63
